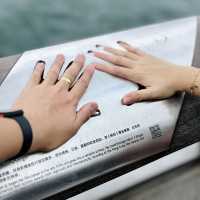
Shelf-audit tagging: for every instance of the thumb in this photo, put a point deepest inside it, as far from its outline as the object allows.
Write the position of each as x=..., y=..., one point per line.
x=140, y=95
x=85, y=113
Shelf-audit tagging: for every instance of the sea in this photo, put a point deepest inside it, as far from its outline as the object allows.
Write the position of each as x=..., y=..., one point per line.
x=30, y=24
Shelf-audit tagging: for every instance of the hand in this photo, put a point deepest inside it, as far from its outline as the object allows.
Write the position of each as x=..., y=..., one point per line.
x=159, y=78
x=51, y=108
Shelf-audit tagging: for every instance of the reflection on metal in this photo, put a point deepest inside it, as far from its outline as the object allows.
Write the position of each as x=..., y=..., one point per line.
x=142, y=174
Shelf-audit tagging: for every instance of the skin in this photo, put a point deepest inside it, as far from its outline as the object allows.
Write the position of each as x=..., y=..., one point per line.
x=160, y=78
x=50, y=107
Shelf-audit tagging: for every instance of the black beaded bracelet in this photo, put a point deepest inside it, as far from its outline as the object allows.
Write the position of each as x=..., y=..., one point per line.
x=25, y=126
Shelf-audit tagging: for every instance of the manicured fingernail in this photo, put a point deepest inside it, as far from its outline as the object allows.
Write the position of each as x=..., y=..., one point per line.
x=122, y=42
x=89, y=51
x=118, y=42
x=98, y=45
x=70, y=63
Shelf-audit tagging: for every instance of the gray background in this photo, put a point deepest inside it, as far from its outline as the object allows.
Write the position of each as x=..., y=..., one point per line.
x=28, y=24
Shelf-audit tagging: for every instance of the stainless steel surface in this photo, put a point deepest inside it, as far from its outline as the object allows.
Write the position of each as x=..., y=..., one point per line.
x=160, y=41
x=141, y=175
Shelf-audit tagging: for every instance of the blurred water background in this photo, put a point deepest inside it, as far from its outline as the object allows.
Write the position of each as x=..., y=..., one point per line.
x=29, y=24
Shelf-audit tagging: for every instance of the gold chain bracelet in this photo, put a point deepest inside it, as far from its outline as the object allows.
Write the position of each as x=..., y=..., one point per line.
x=194, y=85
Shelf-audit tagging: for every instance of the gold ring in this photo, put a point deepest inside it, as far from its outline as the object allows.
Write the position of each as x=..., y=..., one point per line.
x=66, y=80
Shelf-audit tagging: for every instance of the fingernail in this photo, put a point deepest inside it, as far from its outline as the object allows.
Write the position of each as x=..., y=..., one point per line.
x=42, y=67
x=70, y=63
x=122, y=42
x=89, y=51
x=127, y=100
x=98, y=45
x=40, y=62
x=118, y=42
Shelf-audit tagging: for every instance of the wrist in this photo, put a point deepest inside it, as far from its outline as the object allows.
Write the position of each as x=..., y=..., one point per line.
x=194, y=89
x=184, y=78
x=11, y=138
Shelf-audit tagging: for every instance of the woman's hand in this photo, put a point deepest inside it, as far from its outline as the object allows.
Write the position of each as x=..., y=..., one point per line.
x=51, y=108
x=160, y=78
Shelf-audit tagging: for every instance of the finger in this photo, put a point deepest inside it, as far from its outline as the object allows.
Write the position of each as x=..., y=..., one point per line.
x=131, y=49
x=72, y=72
x=85, y=113
x=117, y=71
x=118, y=52
x=54, y=71
x=72, y=85
x=140, y=95
x=37, y=74
x=82, y=84
x=116, y=60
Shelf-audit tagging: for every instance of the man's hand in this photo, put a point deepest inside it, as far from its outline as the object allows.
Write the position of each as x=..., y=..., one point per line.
x=51, y=108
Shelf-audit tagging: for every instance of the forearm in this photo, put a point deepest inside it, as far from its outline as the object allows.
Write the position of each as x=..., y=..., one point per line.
x=10, y=138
